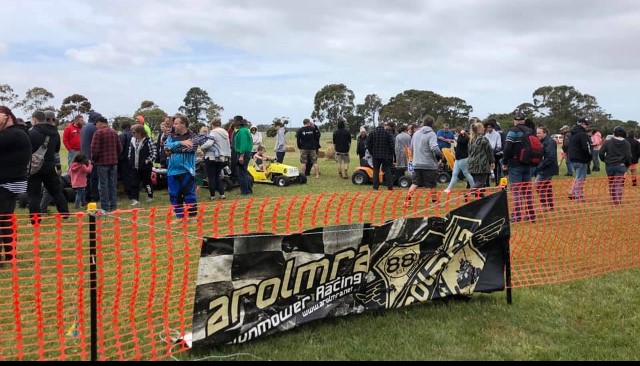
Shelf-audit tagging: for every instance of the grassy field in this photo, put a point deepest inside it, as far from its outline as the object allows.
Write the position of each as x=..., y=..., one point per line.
x=586, y=319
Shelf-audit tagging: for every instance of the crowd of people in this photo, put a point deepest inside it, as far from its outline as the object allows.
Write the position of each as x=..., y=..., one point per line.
x=98, y=157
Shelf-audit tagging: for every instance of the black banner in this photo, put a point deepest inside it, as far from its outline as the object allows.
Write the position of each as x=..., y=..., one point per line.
x=251, y=287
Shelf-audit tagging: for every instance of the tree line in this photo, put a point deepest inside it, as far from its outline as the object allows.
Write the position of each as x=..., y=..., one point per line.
x=552, y=106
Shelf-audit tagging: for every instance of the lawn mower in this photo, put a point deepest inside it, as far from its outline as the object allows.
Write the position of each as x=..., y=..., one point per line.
x=364, y=175
x=445, y=166
x=276, y=173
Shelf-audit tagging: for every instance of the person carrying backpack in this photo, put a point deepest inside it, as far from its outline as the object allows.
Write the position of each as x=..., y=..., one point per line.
x=517, y=162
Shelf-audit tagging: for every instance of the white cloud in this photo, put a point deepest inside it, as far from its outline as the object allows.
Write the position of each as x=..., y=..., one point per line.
x=269, y=58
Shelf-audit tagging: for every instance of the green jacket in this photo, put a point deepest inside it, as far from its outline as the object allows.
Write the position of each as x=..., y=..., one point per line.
x=242, y=140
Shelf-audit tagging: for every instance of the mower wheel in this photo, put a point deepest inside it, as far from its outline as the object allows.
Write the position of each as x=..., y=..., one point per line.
x=359, y=177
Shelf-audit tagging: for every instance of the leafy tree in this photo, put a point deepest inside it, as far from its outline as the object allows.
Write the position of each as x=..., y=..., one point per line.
x=118, y=120
x=195, y=106
x=412, y=105
x=370, y=108
x=455, y=111
x=504, y=119
x=72, y=106
x=35, y=99
x=332, y=103
x=152, y=113
x=7, y=97
x=214, y=110
x=147, y=104
x=564, y=105
x=528, y=109
x=353, y=124
x=271, y=131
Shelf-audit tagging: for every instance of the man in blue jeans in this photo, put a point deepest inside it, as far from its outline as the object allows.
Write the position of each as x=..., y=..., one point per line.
x=580, y=156
x=519, y=172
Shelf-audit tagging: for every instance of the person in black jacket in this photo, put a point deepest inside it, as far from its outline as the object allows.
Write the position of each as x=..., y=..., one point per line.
x=140, y=156
x=579, y=157
x=635, y=156
x=308, y=139
x=342, y=144
x=15, y=154
x=381, y=146
x=566, y=137
x=616, y=155
x=47, y=174
x=124, y=168
x=547, y=168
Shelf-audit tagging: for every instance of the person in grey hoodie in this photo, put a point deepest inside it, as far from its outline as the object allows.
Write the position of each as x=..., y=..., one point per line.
x=426, y=154
x=280, y=147
x=86, y=136
x=616, y=154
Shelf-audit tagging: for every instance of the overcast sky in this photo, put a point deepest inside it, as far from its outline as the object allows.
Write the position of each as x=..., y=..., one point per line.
x=268, y=58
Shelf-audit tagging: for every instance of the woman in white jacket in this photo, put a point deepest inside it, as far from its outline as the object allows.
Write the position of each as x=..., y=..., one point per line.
x=257, y=139
x=217, y=152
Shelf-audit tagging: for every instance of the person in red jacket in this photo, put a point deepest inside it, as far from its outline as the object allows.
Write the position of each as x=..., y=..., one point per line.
x=71, y=138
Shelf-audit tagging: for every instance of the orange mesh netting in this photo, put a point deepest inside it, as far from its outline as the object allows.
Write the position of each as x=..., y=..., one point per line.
x=147, y=262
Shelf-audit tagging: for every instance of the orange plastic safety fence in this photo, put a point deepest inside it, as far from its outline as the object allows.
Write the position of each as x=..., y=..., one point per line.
x=147, y=260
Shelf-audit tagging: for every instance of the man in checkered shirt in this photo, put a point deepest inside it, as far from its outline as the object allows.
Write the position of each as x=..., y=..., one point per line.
x=381, y=146
x=105, y=149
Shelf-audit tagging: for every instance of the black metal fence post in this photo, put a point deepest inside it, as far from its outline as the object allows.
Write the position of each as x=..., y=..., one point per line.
x=93, y=279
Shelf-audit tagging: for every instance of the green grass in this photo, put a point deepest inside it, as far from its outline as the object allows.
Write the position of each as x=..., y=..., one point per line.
x=589, y=314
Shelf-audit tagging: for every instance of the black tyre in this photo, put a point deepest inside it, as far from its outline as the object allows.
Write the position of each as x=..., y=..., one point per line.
x=359, y=178
x=404, y=182
x=444, y=177
x=281, y=181
x=227, y=184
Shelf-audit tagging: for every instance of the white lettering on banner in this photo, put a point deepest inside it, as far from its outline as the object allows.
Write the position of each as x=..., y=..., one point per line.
x=274, y=321
x=225, y=310
x=333, y=291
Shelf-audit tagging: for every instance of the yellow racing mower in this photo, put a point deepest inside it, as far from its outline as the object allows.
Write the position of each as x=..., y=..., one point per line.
x=276, y=173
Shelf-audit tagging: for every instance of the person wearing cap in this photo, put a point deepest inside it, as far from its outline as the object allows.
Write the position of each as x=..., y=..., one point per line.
x=566, y=137
x=579, y=156
x=86, y=137
x=105, y=150
x=242, y=143
x=257, y=139
x=71, y=138
x=15, y=154
x=306, y=139
x=140, y=120
x=280, y=147
x=48, y=174
x=616, y=155
x=519, y=172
